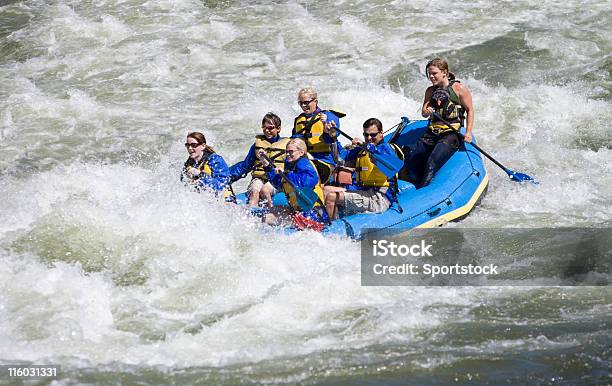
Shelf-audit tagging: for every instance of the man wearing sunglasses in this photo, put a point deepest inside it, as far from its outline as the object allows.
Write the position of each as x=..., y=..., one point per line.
x=316, y=127
x=374, y=192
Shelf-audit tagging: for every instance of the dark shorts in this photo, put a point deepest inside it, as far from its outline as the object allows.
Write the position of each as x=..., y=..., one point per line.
x=431, y=152
x=451, y=139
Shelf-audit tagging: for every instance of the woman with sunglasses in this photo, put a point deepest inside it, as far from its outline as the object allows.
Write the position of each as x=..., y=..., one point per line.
x=301, y=173
x=447, y=104
x=375, y=192
x=316, y=127
x=205, y=169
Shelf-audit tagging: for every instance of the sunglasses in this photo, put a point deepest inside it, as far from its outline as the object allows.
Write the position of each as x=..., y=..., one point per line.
x=192, y=145
x=290, y=152
x=269, y=128
x=371, y=135
x=305, y=103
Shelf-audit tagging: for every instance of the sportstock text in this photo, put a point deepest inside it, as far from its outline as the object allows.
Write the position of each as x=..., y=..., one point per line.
x=389, y=249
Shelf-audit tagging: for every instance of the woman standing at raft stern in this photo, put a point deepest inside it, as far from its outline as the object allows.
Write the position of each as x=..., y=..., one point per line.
x=205, y=169
x=449, y=100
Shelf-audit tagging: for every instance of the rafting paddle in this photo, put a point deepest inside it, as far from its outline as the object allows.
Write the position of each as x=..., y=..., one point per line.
x=514, y=176
x=389, y=166
x=306, y=198
x=256, y=164
x=402, y=125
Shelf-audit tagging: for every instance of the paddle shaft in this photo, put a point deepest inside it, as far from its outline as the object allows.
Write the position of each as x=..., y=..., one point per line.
x=472, y=143
x=256, y=164
x=343, y=133
x=269, y=160
x=405, y=121
x=349, y=137
x=385, y=165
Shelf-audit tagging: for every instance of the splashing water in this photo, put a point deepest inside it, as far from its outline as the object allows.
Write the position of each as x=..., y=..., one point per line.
x=108, y=265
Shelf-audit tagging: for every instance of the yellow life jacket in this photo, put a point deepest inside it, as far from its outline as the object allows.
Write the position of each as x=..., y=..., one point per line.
x=291, y=195
x=451, y=110
x=274, y=151
x=312, y=130
x=205, y=168
x=368, y=174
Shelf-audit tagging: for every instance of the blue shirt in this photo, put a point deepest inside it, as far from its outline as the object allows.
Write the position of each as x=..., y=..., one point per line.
x=220, y=177
x=301, y=173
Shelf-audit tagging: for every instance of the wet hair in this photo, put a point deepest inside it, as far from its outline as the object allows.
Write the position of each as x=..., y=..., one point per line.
x=441, y=64
x=373, y=121
x=201, y=140
x=272, y=119
x=299, y=143
x=308, y=90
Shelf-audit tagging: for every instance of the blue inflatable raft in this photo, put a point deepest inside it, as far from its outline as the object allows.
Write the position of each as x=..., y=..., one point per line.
x=454, y=191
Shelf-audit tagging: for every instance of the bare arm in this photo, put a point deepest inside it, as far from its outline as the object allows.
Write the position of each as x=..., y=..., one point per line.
x=426, y=110
x=465, y=98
